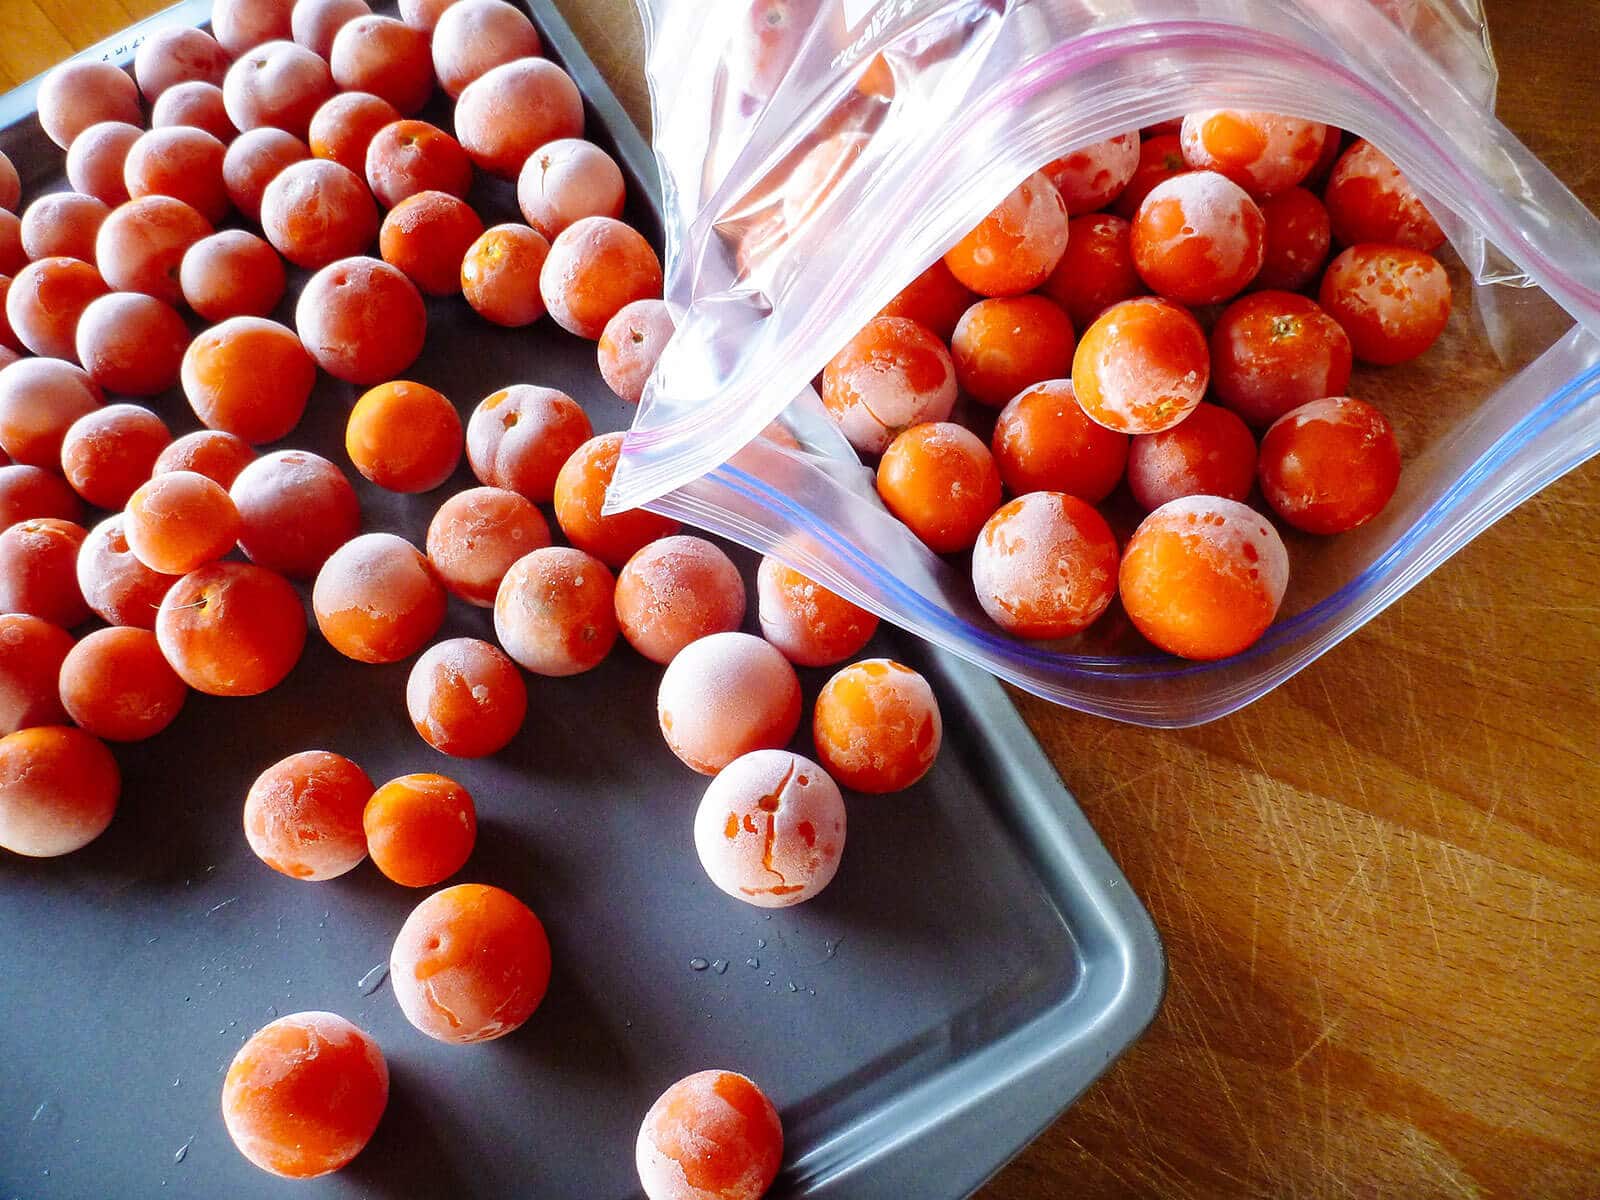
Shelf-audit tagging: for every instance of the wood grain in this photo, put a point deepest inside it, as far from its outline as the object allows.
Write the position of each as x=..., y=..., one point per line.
x=1380, y=886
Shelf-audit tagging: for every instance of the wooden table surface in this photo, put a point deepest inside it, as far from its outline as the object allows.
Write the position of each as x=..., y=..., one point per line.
x=1380, y=886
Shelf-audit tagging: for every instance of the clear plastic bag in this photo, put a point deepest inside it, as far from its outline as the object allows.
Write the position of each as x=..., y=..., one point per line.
x=929, y=112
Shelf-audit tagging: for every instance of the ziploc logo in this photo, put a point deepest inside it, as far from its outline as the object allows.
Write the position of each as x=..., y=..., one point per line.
x=882, y=13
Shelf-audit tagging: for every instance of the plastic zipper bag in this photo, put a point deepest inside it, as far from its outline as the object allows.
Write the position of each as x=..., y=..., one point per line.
x=816, y=155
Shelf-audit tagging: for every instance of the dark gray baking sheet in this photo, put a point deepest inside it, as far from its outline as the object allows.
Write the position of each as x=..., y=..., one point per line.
x=978, y=961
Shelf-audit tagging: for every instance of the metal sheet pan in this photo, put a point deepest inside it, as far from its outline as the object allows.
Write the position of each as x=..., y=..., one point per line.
x=977, y=963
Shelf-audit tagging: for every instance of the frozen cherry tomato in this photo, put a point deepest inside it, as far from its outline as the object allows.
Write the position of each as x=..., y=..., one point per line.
x=407, y=157
x=1203, y=576
x=232, y=274
x=475, y=36
x=507, y=113
x=1298, y=237
x=420, y=829
x=427, y=236
x=423, y=14
x=62, y=225
x=466, y=698
x=810, y=625
x=178, y=521
x=404, y=436
x=500, y=275
x=1016, y=246
x=248, y=376
x=1330, y=466
x=295, y=509
x=631, y=345
x=580, y=493
x=1332, y=148
x=38, y=570
x=521, y=437
x=131, y=343
x=315, y=23
x=40, y=398
x=253, y=160
x=812, y=181
x=196, y=104
x=94, y=163
x=1007, y=343
x=770, y=829
x=377, y=599
x=1261, y=152
x=304, y=1095
x=470, y=964
x=13, y=257
x=877, y=726
x=1045, y=442
x=176, y=55
x=595, y=267
x=344, y=127
x=45, y=301
x=210, y=452
x=1393, y=302
x=726, y=695
x=673, y=592
x=182, y=162
x=1097, y=269
x=890, y=376
x=1370, y=201
x=1160, y=158
x=1273, y=351
x=240, y=25
x=764, y=38
x=941, y=481
x=1045, y=566
x=231, y=629
x=276, y=83
x=1209, y=453
x=567, y=180
x=112, y=450
x=362, y=320
x=476, y=537
x=58, y=790
x=117, y=685
x=1198, y=238
x=935, y=299
x=385, y=57
x=31, y=653
x=83, y=92
x=1094, y=176
x=119, y=588
x=714, y=1133
x=555, y=611
x=1142, y=366
x=315, y=211
x=27, y=493
x=303, y=816
x=11, y=347
x=141, y=245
